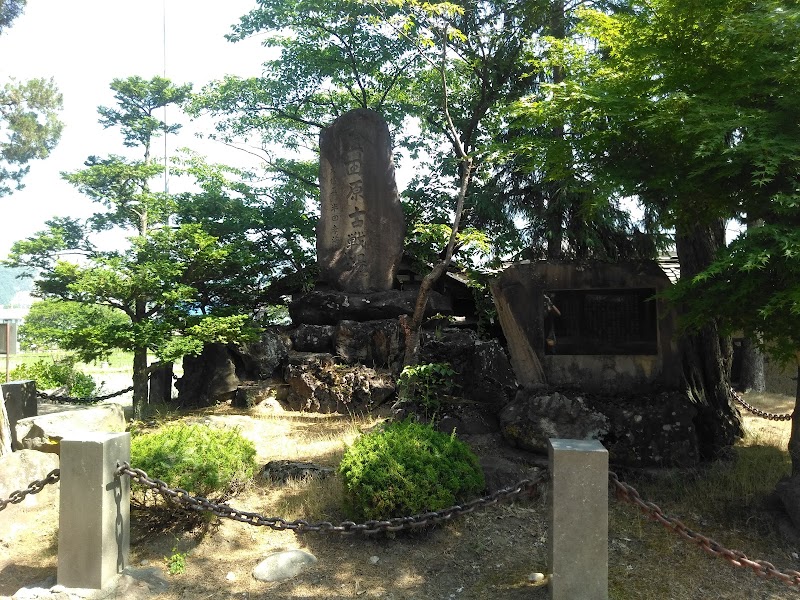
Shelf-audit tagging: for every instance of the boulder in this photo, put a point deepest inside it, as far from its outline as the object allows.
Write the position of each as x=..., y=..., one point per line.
x=375, y=343
x=280, y=566
x=44, y=433
x=208, y=378
x=215, y=375
x=788, y=492
x=484, y=371
x=467, y=419
x=328, y=307
x=161, y=384
x=255, y=393
x=317, y=387
x=282, y=471
x=532, y=418
x=261, y=359
x=649, y=430
x=500, y=473
x=17, y=470
x=645, y=430
x=312, y=338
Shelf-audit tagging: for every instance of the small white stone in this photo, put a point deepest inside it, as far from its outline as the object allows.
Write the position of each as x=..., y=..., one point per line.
x=283, y=565
x=57, y=589
x=536, y=577
x=230, y=576
x=373, y=560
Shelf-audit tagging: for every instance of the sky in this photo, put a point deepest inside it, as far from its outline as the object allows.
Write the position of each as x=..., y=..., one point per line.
x=85, y=44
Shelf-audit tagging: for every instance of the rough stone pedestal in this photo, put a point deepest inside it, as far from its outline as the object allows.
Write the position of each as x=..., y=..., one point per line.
x=578, y=533
x=94, y=510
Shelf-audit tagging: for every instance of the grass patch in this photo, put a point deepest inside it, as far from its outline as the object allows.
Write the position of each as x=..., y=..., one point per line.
x=725, y=501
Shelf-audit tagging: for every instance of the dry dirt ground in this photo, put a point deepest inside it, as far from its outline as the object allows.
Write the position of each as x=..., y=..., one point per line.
x=487, y=554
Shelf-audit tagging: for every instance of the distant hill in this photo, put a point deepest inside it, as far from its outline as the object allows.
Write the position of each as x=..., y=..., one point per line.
x=10, y=284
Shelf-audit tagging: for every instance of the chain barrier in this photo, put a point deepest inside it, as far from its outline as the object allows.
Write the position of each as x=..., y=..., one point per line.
x=197, y=503
x=623, y=492
x=758, y=412
x=88, y=400
x=761, y=568
x=33, y=488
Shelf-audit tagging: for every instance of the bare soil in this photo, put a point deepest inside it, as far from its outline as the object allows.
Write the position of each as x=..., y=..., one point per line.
x=493, y=553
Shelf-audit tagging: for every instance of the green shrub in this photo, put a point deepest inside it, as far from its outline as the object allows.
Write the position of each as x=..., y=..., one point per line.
x=406, y=468
x=203, y=460
x=425, y=383
x=53, y=374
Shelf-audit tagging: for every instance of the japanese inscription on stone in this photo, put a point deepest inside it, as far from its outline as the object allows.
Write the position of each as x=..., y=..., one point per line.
x=361, y=226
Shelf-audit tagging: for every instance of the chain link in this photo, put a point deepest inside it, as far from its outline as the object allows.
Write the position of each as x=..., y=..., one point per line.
x=758, y=412
x=33, y=488
x=87, y=400
x=198, y=503
x=761, y=568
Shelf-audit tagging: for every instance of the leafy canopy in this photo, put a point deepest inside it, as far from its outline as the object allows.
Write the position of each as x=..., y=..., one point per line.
x=29, y=126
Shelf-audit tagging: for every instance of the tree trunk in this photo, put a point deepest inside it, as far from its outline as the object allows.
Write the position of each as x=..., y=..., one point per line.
x=412, y=325
x=5, y=427
x=752, y=375
x=140, y=395
x=794, y=439
x=557, y=194
x=706, y=356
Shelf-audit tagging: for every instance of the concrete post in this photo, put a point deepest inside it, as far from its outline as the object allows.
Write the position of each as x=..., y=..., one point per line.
x=578, y=534
x=94, y=511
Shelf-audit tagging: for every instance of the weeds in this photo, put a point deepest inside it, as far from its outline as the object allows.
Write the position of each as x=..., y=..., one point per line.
x=176, y=562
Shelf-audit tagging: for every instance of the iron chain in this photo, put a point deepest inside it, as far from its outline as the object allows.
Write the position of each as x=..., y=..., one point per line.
x=758, y=412
x=33, y=488
x=762, y=568
x=88, y=400
x=197, y=503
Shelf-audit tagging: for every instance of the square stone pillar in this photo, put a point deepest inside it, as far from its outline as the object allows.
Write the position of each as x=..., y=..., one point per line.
x=94, y=511
x=578, y=533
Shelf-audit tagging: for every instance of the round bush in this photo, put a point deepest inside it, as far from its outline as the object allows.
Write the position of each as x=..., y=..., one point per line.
x=407, y=468
x=204, y=460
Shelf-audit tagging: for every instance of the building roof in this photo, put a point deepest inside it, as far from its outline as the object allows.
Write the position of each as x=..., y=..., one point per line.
x=15, y=316
x=671, y=266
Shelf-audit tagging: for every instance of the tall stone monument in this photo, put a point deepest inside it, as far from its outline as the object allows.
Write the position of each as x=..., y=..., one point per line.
x=361, y=226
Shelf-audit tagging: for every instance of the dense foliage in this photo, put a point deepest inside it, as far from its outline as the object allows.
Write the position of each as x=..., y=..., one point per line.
x=531, y=126
x=68, y=325
x=30, y=125
x=406, y=468
x=58, y=375
x=163, y=292
x=10, y=10
x=425, y=384
x=205, y=461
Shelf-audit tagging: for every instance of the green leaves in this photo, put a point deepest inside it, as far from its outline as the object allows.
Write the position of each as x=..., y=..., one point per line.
x=30, y=124
x=137, y=102
x=407, y=468
x=753, y=287
x=206, y=461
